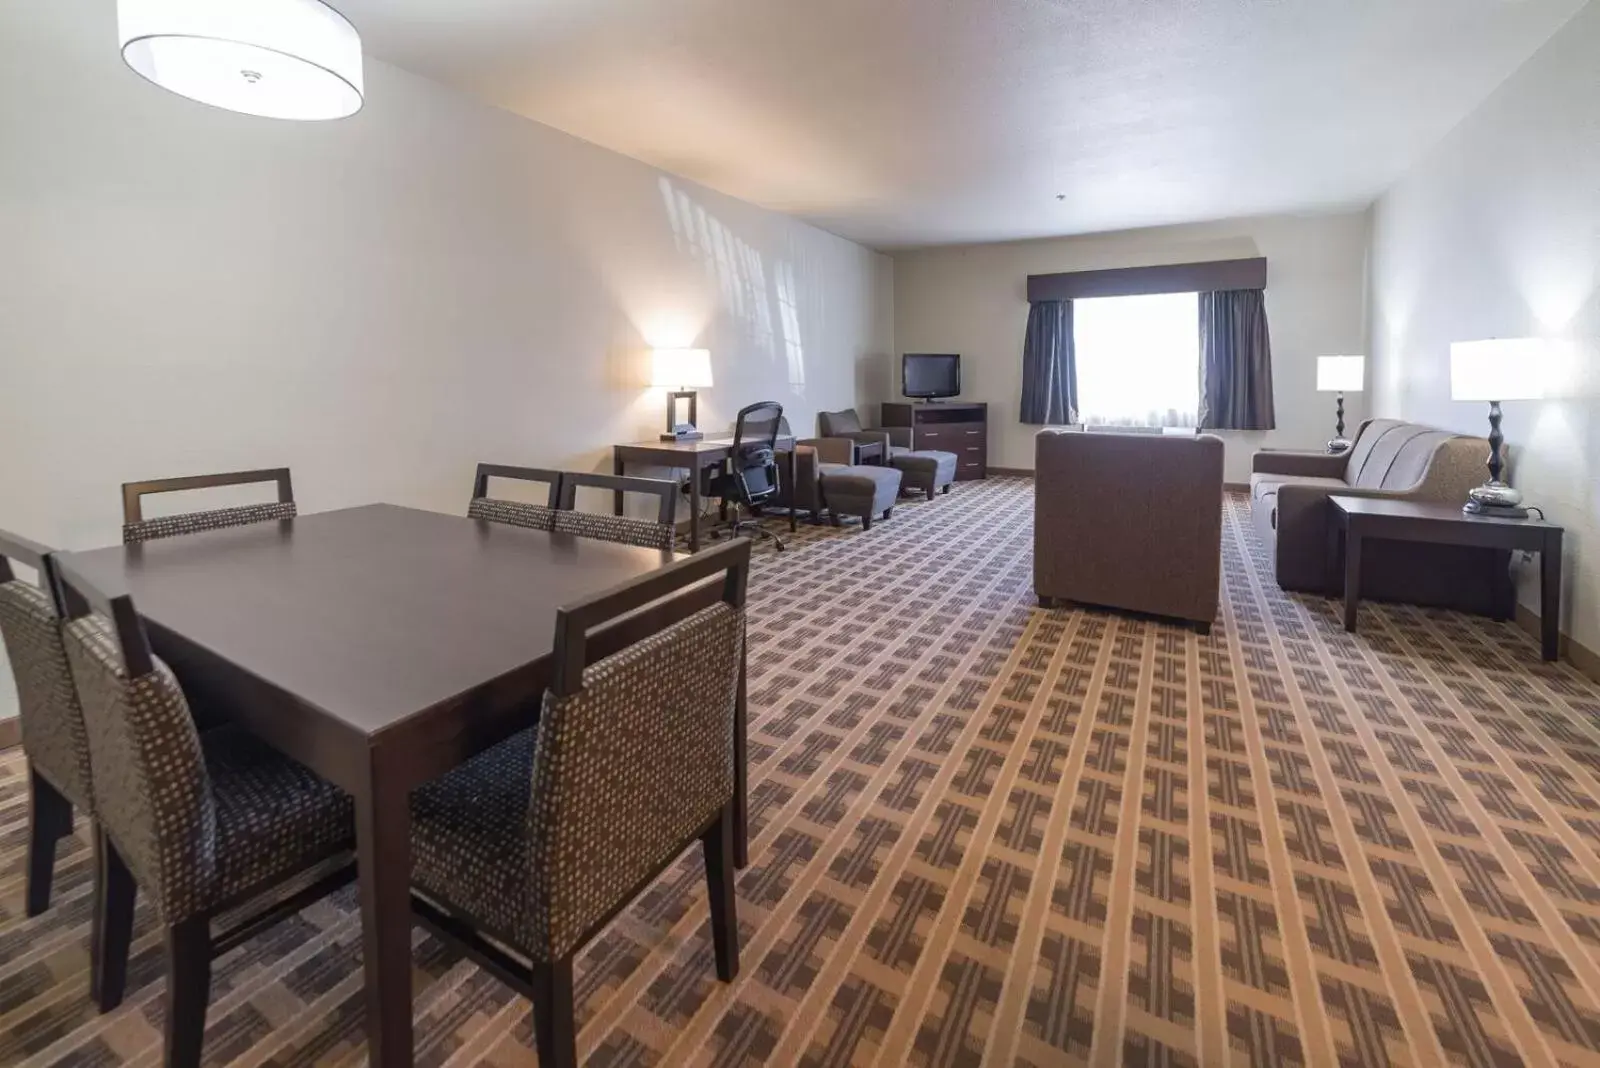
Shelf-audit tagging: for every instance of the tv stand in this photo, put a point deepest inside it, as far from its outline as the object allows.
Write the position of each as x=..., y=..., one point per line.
x=961, y=427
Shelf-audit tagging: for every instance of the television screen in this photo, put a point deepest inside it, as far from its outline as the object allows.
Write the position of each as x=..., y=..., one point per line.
x=926, y=374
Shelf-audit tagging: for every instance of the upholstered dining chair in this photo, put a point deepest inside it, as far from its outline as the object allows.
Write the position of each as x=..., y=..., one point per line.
x=515, y=513
x=53, y=736
x=661, y=533
x=136, y=528
x=538, y=843
x=200, y=823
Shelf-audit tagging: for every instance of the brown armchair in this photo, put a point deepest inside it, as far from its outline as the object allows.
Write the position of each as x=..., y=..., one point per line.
x=828, y=480
x=1129, y=521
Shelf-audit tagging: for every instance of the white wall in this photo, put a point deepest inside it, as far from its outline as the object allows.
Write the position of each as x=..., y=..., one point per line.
x=379, y=302
x=1496, y=233
x=972, y=299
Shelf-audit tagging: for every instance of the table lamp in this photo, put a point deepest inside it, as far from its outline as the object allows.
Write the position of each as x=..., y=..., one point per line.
x=1499, y=370
x=1341, y=375
x=681, y=372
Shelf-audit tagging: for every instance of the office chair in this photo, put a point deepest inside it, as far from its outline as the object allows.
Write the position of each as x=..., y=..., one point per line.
x=751, y=477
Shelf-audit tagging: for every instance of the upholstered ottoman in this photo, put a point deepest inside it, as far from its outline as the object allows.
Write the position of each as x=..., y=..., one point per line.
x=926, y=471
x=860, y=491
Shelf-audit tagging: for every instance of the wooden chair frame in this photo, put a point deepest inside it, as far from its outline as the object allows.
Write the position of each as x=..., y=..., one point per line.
x=664, y=489
x=673, y=591
x=132, y=492
x=480, y=481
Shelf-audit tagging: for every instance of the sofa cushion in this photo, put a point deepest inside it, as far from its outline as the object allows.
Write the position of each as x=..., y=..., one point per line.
x=1263, y=485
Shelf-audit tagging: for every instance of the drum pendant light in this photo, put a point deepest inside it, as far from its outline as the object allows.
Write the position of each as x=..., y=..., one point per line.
x=282, y=59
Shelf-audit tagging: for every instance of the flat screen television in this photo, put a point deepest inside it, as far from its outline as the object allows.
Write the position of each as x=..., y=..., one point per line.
x=930, y=376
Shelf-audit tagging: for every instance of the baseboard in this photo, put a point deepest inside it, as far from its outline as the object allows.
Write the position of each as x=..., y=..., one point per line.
x=1579, y=656
x=1011, y=472
x=10, y=732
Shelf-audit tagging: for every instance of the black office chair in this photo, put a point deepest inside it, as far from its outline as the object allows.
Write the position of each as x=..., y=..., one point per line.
x=751, y=477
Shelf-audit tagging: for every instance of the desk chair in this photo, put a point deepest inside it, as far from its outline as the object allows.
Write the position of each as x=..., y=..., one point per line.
x=751, y=477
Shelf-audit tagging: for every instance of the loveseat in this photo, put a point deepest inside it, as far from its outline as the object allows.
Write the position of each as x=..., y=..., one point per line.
x=1392, y=459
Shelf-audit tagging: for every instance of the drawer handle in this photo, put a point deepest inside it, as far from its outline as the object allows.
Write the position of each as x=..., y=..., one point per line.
x=974, y=432
x=972, y=448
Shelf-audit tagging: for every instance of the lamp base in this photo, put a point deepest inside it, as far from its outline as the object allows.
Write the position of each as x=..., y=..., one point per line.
x=690, y=434
x=1338, y=445
x=1495, y=498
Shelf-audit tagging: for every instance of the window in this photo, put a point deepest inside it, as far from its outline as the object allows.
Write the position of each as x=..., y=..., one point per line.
x=1138, y=359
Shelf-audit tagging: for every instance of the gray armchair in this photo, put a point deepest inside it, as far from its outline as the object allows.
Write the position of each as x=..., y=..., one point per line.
x=847, y=425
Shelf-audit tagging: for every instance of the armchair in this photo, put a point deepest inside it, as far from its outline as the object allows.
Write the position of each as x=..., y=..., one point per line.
x=847, y=425
x=827, y=479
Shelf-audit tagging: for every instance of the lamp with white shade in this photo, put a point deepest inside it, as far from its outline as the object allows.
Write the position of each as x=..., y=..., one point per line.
x=1341, y=375
x=280, y=59
x=681, y=372
x=1498, y=370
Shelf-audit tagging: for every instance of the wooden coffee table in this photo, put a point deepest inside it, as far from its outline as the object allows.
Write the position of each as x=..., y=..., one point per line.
x=1360, y=518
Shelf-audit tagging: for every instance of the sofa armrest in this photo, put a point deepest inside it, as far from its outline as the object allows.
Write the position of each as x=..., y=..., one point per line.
x=1305, y=464
x=831, y=450
x=804, y=494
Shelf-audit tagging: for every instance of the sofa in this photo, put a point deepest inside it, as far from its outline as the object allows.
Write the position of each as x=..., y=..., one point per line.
x=827, y=481
x=925, y=470
x=1391, y=459
x=1129, y=521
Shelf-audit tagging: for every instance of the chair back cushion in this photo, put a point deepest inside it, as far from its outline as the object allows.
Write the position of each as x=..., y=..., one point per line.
x=512, y=513
x=629, y=769
x=1393, y=455
x=152, y=793
x=834, y=424
x=52, y=720
x=622, y=529
x=169, y=526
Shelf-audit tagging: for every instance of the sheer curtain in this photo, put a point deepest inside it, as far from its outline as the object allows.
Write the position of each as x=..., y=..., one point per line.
x=1138, y=360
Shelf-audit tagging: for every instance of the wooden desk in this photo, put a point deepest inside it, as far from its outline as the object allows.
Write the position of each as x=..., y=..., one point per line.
x=381, y=647
x=696, y=456
x=1359, y=518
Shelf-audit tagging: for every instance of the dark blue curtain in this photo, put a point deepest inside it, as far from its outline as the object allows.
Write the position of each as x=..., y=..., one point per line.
x=1049, y=365
x=1235, y=361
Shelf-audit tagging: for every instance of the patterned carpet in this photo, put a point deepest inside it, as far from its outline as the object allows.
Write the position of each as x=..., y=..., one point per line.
x=987, y=834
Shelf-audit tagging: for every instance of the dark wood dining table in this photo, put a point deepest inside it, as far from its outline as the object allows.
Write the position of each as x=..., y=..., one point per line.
x=381, y=646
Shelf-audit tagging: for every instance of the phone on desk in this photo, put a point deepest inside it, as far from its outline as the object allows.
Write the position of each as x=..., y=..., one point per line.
x=685, y=432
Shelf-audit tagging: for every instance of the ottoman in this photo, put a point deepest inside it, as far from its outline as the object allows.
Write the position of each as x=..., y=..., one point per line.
x=926, y=471
x=860, y=491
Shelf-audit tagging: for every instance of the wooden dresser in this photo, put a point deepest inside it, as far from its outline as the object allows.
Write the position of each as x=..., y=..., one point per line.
x=948, y=426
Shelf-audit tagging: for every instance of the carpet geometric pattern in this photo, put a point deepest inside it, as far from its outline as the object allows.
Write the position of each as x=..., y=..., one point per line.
x=985, y=834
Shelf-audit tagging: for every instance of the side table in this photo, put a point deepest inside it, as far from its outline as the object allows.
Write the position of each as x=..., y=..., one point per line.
x=1357, y=519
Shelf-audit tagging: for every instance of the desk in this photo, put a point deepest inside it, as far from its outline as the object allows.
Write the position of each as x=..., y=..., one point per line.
x=381, y=647
x=1360, y=518
x=696, y=456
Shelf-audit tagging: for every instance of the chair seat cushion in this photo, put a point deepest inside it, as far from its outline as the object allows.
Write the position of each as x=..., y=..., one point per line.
x=1264, y=485
x=469, y=839
x=275, y=816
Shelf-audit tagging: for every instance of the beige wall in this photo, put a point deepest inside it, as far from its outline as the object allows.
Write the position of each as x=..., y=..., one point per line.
x=379, y=303
x=973, y=300
x=1497, y=234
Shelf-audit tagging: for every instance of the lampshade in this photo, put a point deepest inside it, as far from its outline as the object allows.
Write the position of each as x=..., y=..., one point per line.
x=1341, y=374
x=282, y=59
x=681, y=368
x=1499, y=370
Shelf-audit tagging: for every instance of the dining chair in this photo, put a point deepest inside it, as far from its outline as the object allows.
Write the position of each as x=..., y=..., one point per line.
x=662, y=533
x=53, y=736
x=537, y=843
x=136, y=528
x=201, y=823
x=515, y=513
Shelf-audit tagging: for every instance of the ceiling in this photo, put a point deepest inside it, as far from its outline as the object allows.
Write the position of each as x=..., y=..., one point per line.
x=917, y=122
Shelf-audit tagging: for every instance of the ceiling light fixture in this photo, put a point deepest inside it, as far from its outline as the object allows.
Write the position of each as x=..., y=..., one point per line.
x=281, y=59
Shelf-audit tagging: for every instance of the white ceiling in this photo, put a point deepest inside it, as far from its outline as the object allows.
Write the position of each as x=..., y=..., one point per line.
x=917, y=122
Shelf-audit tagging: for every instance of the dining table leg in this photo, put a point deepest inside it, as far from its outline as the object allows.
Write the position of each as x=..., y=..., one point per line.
x=383, y=858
